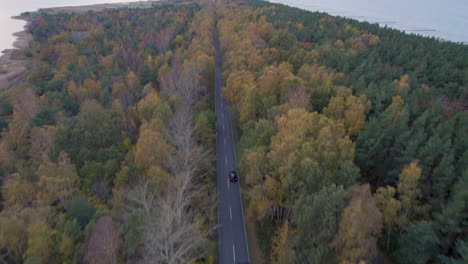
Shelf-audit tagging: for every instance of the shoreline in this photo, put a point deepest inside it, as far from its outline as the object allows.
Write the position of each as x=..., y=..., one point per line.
x=12, y=61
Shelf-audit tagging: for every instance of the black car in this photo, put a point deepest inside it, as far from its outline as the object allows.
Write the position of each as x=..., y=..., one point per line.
x=233, y=176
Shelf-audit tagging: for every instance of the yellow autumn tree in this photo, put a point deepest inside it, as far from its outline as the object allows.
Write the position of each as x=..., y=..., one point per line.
x=152, y=151
x=236, y=86
x=401, y=206
x=241, y=91
x=18, y=191
x=281, y=252
x=152, y=107
x=254, y=164
x=41, y=241
x=57, y=181
x=93, y=89
x=13, y=232
x=348, y=109
x=75, y=92
x=294, y=149
x=277, y=81
x=409, y=192
x=390, y=207
x=360, y=227
x=402, y=86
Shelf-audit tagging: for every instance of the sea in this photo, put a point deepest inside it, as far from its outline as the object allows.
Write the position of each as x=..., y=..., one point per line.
x=444, y=19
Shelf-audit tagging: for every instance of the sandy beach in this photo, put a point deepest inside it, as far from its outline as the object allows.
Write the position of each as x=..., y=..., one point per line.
x=12, y=62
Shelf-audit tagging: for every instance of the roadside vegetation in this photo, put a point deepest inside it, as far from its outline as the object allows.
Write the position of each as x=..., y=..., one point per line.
x=353, y=137
x=107, y=146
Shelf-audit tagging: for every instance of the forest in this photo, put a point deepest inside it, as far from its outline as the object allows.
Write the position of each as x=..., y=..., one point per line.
x=352, y=139
x=107, y=145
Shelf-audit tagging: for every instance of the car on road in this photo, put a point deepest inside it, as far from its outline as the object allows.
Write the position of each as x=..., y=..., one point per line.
x=233, y=176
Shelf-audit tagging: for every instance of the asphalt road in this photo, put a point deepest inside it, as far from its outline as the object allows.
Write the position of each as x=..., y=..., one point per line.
x=232, y=236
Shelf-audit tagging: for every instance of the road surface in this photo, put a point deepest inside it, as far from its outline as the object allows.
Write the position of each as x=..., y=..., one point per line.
x=232, y=237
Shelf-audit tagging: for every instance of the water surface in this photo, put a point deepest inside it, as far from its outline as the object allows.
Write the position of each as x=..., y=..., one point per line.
x=446, y=19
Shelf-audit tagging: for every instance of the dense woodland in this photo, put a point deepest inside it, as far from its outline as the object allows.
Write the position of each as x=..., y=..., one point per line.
x=353, y=139
x=107, y=148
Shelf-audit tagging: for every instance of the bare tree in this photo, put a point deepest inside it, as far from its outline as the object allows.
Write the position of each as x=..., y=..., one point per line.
x=163, y=39
x=173, y=231
x=104, y=243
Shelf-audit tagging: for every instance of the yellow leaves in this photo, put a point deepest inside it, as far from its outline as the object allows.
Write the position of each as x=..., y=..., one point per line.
x=292, y=129
x=409, y=191
x=253, y=163
x=395, y=111
x=402, y=86
x=204, y=132
x=349, y=110
x=360, y=226
x=41, y=240
x=280, y=242
x=362, y=42
x=300, y=26
x=409, y=180
x=152, y=107
x=17, y=191
x=159, y=175
x=389, y=207
x=300, y=134
x=397, y=213
x=74, y=92
x=132, y=80
x=68, y=54
x=26, y=105
x=13, y=233
x=119, y=89
x=67, y=247
x=108, y=61
x=42, y=139
x=273, y=190
x=57, y=182
x=277, y=81
x=316, y=75
x=258, y=204
x=152, y=149
x=179, y=40
x=241, y=91
x=92, y=89
x=351, y=29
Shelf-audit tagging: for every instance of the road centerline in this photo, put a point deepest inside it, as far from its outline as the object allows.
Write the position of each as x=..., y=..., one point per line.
x=234, y=252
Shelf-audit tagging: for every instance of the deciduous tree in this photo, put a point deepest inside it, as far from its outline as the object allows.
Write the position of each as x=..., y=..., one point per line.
x=360, y=227
x=57, y=182
x=104, y=243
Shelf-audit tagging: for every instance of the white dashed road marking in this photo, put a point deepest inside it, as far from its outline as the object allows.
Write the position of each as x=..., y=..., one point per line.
x=234, y=252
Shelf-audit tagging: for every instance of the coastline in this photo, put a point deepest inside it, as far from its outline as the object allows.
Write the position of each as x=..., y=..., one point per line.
x=12, y=61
